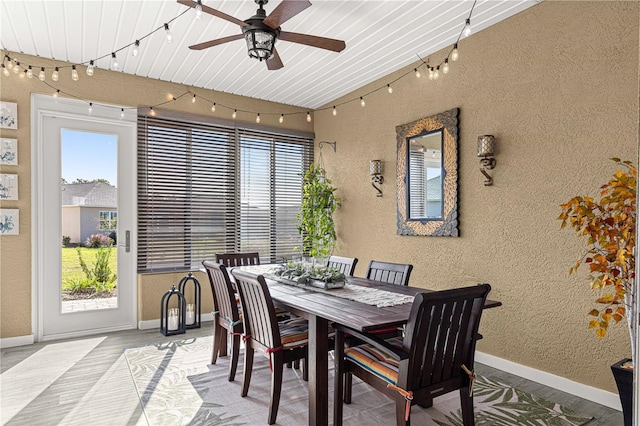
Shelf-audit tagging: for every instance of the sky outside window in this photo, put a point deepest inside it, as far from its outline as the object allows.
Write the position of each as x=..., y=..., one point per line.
x=89, y=156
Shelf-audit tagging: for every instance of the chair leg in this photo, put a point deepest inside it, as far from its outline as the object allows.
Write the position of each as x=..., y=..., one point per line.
x=248, y=368
x=235, y=354
x=223, y=344
x=276, y=386
x=217, y=333
x=466, y=402
x=348, y=379
x=305, y=369
x=401, y=411
x=338, y=379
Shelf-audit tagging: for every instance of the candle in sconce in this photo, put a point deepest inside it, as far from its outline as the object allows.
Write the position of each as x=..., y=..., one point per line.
x=173, y=319
x=191, y=314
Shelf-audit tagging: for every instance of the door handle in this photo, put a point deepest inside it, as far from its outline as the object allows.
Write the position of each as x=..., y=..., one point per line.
x=127, y=242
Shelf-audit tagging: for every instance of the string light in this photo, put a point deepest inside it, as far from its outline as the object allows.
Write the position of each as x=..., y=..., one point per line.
x=90, y=68
x=41, y=75
x=114, y=62
x=308, y=117
x=90, y=107
x=467, y=28
x=445, y=67
x=418, y=75
x=136, y=46
x=23, y=74
x=121, y=112
x=30, y=72
x=9, y=63
x=169, y=35
x=5, y=71
x=152, y=112
x=436, y=73
x=16, y=68
x=389, y=88
x=54, y=74
x=193, y=100
x=430, y=73
x=281, y=119
x=213, y=107
x=235, y=114
x=258, y=118
x=56, y=93
x=362, y=102
x=198, y=9
x=335, y=111
x=74, y=73
x=454, y=53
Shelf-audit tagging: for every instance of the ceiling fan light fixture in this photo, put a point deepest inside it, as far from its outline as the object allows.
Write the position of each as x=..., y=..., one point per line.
x=260, y=42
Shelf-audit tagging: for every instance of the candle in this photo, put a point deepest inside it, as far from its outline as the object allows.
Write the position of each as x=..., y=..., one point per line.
x=191, y=314
x=173, y=322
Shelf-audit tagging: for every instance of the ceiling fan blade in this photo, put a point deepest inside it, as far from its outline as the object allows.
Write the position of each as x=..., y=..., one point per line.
x=286, y=10
x=214, y=12
x=309, y=40
x=216, y=42
x=274, y=62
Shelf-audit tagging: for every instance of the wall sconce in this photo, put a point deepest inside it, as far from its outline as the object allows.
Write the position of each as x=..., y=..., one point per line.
x=375, y=170
x=486, y=146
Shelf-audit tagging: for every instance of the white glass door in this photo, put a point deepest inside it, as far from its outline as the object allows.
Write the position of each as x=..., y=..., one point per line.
x=86, y=215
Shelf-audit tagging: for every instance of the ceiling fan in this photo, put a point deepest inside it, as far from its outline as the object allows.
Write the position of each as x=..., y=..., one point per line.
x=261, y=31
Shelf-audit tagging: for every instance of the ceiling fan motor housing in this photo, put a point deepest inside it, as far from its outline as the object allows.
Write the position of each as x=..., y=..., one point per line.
x=260, y=37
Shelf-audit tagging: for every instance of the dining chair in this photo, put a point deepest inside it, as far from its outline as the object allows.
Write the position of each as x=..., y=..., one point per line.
x=346, y=265
x=392, y=273
x=280, y=341
x=238, y=259
x=434, y=358
x=227, y=320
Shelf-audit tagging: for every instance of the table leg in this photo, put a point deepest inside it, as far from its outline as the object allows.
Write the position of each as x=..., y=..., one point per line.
x=318, y=371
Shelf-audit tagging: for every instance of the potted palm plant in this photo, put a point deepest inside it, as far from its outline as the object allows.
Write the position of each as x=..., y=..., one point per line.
x=315, y=218
x=609, y=224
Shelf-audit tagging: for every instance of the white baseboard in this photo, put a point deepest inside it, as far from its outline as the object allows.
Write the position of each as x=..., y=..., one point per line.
x=155, y=323
x=10, y=342
x=590, y=393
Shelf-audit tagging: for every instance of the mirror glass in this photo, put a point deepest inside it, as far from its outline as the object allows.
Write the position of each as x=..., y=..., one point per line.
x=427, y=176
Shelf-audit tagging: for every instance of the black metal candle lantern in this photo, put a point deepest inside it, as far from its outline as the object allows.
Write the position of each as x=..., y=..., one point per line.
x=193, y=313
x=172, y=320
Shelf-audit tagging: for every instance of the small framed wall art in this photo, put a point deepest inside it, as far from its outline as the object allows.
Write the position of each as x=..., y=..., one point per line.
x=8, y=115
x=8, y=186
x=9, y=152
x=9, y=222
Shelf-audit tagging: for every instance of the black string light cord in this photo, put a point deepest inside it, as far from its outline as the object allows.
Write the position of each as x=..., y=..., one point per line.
x=433, y=70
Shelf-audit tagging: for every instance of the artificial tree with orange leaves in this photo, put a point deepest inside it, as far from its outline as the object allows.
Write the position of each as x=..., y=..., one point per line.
x=610, y=227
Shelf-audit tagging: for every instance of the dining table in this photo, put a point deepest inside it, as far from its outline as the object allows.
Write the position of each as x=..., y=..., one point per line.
x=321, y=308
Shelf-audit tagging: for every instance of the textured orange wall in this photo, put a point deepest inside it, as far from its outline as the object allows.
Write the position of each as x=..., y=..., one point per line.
x=558, y=86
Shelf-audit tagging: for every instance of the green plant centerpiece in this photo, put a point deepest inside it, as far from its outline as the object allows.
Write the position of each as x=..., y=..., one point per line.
x=319, y=202
x=316, y=276
x=609, y=225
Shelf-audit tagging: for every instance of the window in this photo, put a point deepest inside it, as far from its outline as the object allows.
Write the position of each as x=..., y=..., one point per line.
x=108, y=221
x=205, y=188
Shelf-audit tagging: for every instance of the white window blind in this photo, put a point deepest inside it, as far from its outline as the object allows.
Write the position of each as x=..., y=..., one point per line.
x=206, y=188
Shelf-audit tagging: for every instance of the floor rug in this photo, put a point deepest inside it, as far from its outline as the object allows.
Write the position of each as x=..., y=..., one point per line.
x=177, y=385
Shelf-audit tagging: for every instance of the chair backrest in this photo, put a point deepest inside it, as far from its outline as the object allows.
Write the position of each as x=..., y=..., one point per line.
x=224, y=300
x=238, y=259
x=441, y=336
x=258, y=313
x=346, y=265
x=392, y=273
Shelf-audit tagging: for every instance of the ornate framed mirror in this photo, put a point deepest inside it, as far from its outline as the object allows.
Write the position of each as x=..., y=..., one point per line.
x=427, y=176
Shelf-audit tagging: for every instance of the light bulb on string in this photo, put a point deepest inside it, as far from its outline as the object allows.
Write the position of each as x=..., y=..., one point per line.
x=308, y=117
x=335, y=111
x=168, y=32
x=235, y=114
x=90, y=68
x=16, y=68
x=152, y=112
x=467, y=28
x=418, y=75
x=23, y=74
x=213, y=107
x=54, y=74
x=121, y=112
x=90, y=107
x=114, y=62
x=56, y=93
x=436, y=73
x=9, y=63
x=136, y=46
x=41, y=74
x=258, y=118
x=193, y=100
x=281, y=119
x=5, y=71
x=198, y=9
x=30, y=72
x=430, y=73
x=362, y=102
x=389, y=88
x=445, y=67
x=454, y=53
x=74, y=73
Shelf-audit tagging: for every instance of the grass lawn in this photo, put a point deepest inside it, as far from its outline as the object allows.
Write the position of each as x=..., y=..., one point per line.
x=71, y=265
